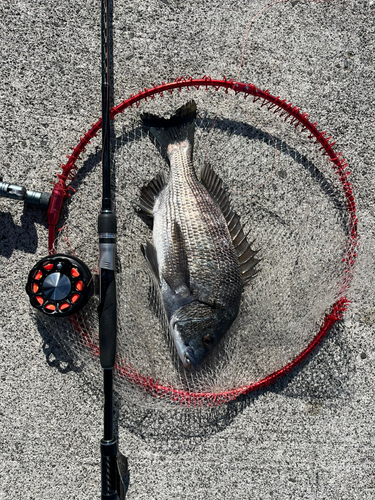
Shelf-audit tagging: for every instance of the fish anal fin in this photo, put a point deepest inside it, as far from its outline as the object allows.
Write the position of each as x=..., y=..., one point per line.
x=149, y=253
x=142, y=208
x=150, y=192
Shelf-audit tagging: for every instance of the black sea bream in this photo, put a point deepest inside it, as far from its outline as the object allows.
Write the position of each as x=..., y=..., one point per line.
x=200, y=255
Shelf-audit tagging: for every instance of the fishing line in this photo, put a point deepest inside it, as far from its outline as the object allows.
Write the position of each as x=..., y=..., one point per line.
x=237, y=78
x=304, y=222
x=266, y=7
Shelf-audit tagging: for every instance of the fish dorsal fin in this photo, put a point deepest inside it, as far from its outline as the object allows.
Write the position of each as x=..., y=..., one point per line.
x=150, y=192
x=149, y=253
x=176, y=268
x=245, y=254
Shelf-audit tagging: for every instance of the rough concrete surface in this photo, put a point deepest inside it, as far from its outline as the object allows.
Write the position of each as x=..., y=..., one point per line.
x=309, y=436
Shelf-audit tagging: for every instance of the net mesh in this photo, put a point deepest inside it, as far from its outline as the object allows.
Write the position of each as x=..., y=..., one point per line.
x=298, y=208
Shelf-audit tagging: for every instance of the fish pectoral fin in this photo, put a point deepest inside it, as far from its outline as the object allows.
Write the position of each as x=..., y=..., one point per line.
x=150, y=192
x=176, y=269
x=149, y=253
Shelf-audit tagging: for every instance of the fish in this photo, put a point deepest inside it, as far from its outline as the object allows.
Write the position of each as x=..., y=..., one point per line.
x=200, y=256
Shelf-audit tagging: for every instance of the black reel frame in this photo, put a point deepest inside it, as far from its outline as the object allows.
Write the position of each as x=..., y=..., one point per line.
x=59, y=285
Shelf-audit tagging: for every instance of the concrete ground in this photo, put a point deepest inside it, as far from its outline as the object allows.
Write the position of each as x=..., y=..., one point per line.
x=309, y=436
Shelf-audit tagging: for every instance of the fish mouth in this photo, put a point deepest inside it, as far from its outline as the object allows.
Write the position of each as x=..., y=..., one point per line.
x=185, y=352
x=189, y=358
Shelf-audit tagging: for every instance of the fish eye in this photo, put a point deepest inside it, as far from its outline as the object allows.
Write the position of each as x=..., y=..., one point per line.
x=208, y=340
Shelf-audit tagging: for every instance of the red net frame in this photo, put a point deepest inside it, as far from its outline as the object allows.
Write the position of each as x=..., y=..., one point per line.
x=295, y=117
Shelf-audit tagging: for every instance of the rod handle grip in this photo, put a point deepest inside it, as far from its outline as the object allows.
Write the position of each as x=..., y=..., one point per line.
x=108, y=320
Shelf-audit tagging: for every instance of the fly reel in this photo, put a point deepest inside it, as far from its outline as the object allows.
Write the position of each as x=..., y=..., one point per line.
x=59, y=285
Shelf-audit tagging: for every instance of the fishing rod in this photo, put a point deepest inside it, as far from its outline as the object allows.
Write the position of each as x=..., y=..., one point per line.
x=60, y=285
x=112, y=482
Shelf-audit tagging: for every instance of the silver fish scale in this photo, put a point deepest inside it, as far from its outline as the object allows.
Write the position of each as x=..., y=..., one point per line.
x=214, y=269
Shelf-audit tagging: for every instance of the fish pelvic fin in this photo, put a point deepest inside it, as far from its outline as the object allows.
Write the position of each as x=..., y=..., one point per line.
x=246, y=255
x=179, y=127
x=149, y=253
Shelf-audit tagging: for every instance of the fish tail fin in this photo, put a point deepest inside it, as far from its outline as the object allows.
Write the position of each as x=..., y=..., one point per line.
x=177, y=128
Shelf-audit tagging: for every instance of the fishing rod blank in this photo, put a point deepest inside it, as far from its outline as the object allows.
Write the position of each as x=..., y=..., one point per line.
x=112, y=484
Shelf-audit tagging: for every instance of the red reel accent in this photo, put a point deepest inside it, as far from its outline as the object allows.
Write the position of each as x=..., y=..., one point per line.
x=75, y=298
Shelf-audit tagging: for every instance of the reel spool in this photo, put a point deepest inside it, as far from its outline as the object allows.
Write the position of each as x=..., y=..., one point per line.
x=59, y=285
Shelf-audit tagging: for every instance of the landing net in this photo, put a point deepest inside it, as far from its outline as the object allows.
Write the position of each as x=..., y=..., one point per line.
x=291, y=189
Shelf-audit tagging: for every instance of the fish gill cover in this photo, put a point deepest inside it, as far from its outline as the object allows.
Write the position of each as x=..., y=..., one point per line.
x=293, y=204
